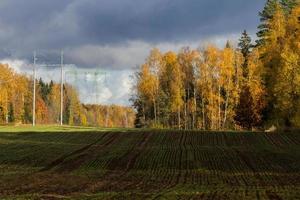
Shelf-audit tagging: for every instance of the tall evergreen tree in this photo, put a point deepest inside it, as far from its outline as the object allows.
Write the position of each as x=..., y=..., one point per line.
x=270, y=56
x=287, y=86
x=245, y=47
x=45, y=90
x=245, y=44
x=265, y=15
x=245, y=116
x=247, y=112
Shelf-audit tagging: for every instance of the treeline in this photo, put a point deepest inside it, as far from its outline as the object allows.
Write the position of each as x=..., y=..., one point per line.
x=109, y=116
x=16, y=99
x=250, y=86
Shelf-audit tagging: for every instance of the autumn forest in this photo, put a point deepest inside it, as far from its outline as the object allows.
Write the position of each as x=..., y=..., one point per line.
x=16, y=104
x=253, y=85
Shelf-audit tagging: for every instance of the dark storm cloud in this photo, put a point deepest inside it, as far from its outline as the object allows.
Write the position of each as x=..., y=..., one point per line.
x=118, y=20
x=55, y=24
x=165, y=20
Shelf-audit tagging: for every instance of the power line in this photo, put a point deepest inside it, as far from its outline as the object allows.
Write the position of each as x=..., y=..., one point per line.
x=91, y=75
x=96, y=73
x=34, y=86
x=61, y=87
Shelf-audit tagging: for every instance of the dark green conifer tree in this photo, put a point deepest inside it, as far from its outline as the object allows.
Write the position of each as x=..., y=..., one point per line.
x=245, y=116
x=245, y=47
x=265, y=15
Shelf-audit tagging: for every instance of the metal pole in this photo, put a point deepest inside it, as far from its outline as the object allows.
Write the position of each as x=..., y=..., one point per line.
x=34, y=88
x=61, y=88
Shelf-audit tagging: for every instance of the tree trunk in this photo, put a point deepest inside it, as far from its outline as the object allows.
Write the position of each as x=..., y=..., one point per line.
x=219, y=105
x=226, y=106
x=187, y=121
x=6, y=112
x=203, y=114
x=195, y=111
x=106, y=117
x=185, y=111
x=126, y=120
x=185, y=115
x=236, y=87
x=144, y=116
x=225, y=112
x=157, y=101
x=179, y=120
x=155, y=116
x=212, y=125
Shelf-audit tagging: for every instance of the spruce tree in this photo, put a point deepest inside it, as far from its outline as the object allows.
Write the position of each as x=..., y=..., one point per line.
x=228, y=45
x=245, y=47
x=245, y=116
x=270, y=56
x=265, y=16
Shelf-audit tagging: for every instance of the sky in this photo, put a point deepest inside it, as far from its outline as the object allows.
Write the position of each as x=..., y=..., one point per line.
x=105, y=40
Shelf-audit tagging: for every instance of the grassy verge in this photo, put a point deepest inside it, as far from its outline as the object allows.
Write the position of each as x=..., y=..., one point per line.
x=57, y=128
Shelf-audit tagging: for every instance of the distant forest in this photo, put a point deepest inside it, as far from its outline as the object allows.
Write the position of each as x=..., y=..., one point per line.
x=16, y=94
x=251, y=86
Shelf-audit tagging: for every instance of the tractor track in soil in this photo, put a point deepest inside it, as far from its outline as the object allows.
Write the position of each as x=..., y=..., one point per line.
x=78, y=156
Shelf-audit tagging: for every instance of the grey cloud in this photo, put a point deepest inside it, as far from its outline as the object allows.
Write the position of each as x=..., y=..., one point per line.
x=30, y=24
x=110, y=57
x=163, y=20
x=130, y=54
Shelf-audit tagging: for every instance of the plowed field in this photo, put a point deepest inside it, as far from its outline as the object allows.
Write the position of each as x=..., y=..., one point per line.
x=149, y=165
